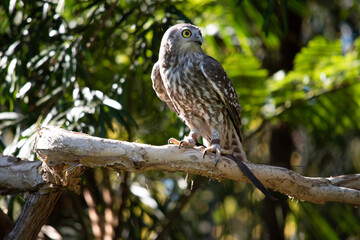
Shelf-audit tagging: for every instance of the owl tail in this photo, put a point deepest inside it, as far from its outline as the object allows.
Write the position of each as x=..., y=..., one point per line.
x=252, y=177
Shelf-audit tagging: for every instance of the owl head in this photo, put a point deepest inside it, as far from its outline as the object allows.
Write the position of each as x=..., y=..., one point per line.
x=182, y=37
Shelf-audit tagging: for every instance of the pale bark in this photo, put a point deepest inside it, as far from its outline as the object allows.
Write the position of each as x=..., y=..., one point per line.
x=17, y=175
x=58, y=147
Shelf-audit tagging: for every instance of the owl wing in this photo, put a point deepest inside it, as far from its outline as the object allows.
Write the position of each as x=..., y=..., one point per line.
x=221, y=83
x=159, y=87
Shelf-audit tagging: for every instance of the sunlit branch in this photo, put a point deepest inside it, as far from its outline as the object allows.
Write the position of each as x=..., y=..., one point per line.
x=58, y=147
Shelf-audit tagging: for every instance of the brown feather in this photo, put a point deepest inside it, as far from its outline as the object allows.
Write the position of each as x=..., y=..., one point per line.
x=197, y=88
x=221, y=83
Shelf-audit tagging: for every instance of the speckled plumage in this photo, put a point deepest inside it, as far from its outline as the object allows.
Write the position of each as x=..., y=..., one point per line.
x=196, y=87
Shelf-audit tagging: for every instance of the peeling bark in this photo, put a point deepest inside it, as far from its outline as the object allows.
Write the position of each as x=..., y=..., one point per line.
x=56, y=146
x=18, y=175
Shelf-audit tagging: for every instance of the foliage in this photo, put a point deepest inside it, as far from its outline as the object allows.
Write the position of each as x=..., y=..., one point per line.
x=85, y=66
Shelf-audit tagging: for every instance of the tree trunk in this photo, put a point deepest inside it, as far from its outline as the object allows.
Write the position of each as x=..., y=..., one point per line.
x=34, y=215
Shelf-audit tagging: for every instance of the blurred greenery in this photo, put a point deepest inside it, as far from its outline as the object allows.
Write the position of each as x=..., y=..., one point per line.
x=85, y=66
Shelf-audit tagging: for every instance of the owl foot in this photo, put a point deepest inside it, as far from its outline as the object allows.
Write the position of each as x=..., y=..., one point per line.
x=215, y=147
x=182, y=143
x=174, y=141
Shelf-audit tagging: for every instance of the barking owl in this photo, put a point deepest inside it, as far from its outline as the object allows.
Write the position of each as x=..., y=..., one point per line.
x=196, y=87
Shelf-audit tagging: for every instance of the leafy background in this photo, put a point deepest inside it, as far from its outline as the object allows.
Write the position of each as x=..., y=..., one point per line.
x=85, y=66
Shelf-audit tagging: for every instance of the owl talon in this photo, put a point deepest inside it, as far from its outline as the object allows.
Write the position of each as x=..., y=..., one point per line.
x=217, y=156
x=207, y=150
x=181, y=143
x=204, y=153
x=214, y=148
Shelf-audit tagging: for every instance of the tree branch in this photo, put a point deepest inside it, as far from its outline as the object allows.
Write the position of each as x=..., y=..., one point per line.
x=55, y=146
x=17, y=175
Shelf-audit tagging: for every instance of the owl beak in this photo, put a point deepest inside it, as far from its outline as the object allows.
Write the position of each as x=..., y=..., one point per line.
x=198, y=40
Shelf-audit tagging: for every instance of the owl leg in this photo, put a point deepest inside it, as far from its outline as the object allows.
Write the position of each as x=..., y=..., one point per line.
x=215, y=147
x=189, y=141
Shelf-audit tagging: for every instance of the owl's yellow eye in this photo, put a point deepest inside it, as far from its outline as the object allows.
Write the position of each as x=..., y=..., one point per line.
x=186, y=33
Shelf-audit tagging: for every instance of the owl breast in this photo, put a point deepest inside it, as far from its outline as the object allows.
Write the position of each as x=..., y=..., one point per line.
x=196, y=103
